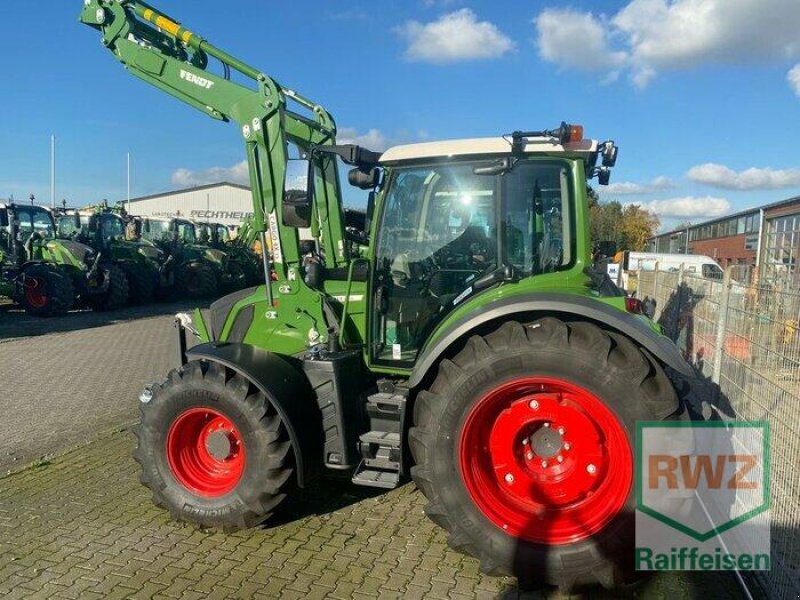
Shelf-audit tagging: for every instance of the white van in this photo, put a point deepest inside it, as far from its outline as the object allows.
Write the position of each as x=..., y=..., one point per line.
x=693, y=264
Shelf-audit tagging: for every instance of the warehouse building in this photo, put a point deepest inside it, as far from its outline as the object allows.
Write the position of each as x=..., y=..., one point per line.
x=224, y=202
x=766, y=237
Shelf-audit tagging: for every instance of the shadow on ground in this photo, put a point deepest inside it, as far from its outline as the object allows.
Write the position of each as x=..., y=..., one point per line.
x=14, y=323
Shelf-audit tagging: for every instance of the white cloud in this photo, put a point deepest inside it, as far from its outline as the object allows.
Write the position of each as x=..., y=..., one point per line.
x=576, y=40
x=624, y=188
x=793, y=77
x=373, y=139
x=238, y=173
x=456, y=36
x=657, y=35
x=688, y=207
x=750, y=179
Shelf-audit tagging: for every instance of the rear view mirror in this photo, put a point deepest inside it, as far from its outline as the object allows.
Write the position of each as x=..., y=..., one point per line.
x=296, y=211
x=606, y=248
x=76, y=220
x=3, y=217
x=498, y=167
x=146, y=225
x=609, y=152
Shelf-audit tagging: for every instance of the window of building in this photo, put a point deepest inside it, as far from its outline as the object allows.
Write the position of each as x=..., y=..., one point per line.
x=781, y=246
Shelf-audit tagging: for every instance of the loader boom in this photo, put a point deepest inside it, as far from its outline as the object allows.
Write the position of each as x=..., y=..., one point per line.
x=165, y=54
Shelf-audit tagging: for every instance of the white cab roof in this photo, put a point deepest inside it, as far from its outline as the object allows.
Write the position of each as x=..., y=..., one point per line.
x=485, y=146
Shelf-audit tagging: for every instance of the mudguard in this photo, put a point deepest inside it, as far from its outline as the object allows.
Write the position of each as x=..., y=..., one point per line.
x=286, y=387
x=560, y=306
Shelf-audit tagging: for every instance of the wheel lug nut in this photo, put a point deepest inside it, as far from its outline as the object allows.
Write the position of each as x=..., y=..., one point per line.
x=509, y=478
x=547, y=424
x=591, y=469
x=560, y=458
x=529, y=456
x=525, y=441
x=534, y=404
x=567, y=445
x=561, y=430
x=544, y=464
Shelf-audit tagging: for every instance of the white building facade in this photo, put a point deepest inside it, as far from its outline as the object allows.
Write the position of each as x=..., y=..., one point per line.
x=224, y=202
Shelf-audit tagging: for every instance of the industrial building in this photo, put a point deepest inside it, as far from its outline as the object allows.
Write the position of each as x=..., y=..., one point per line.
x=224, y=202
x=767, y=237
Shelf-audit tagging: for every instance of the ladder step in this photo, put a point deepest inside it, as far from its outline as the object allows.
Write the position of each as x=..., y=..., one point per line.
x=383, y=438
x=377, y=478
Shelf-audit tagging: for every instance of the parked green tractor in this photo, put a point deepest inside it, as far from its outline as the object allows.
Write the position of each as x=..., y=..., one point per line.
x=38, y=272
x=468, y=347
x=130, y=267
x=201, y=271
x=217, y=235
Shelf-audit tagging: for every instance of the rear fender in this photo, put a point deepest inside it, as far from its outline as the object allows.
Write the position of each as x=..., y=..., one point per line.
x=565, y=306
x=287, y=389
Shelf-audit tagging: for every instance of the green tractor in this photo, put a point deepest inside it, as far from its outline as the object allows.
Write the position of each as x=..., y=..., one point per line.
x=130, y=267
x=38, y=272
x=200, y=270
x=470, y=347
x=217, y=235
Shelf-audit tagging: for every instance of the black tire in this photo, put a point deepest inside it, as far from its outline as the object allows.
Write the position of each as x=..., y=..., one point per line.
x=237, y=276
x=116, y=294
x=57, y=295
x=141, y=283
x=196, y=280
x=607, y=365
x=269, y=465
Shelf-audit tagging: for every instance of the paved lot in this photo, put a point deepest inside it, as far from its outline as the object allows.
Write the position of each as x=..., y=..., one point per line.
x=80, y=526
x=65, y=388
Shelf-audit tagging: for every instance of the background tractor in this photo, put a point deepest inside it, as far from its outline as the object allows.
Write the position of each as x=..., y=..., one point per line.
x=39, y=272
x=217, y=235
x=200, y=270
x=467, y=347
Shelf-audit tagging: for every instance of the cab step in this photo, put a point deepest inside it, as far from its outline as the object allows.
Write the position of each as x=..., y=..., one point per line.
x=381, y=448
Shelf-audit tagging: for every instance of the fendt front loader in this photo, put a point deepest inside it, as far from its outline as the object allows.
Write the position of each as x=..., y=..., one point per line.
x=469, y=347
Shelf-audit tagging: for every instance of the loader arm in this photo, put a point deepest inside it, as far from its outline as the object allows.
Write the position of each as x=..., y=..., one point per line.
x=160, y=51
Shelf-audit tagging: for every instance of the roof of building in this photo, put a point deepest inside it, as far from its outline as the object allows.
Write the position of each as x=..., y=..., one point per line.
x=741, y=213
x=196, y=188
x=483, y=146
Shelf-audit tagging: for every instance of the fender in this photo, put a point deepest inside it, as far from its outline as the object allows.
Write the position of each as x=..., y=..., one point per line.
x=286, y=387
x=558, y=305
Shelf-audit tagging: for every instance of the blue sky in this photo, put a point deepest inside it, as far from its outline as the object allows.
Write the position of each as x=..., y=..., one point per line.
x=700, y=95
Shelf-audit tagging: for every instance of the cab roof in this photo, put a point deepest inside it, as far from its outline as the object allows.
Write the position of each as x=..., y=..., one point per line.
x=489, y=146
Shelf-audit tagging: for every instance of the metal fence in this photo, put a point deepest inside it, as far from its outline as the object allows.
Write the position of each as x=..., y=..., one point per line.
x=744, y=338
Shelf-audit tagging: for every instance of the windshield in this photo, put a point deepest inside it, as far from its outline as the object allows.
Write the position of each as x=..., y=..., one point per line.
x=158, y=231
x=223, y=234
x=443, y=227
x=113, y=227
x=35, y=218
x=186, y=232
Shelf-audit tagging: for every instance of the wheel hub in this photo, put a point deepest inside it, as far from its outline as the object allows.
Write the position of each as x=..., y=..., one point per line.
x=545, y=470
x=206, y=452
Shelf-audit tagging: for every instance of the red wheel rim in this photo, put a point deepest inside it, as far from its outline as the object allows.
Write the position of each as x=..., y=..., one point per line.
x=35, y=292
x=205, y=452
x=545, y=460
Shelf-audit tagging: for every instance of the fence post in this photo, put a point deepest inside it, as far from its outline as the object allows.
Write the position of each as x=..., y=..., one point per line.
x=722, y=323
x=679, y=308
x=655, y=283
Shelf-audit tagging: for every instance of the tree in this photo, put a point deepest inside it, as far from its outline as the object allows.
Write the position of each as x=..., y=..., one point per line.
x=637, y=225
x=628, y=226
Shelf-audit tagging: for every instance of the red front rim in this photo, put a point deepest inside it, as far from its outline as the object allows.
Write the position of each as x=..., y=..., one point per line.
x=545, y=460
x=205, y=452
x=35, y=292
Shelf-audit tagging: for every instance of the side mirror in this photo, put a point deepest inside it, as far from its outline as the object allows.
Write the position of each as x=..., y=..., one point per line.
x=94, y=223
x=76, y=221
x=3, y=218
x=296, y=209
x=603, y=175
x=609, y=153
x=606, y=248
x=146, y=225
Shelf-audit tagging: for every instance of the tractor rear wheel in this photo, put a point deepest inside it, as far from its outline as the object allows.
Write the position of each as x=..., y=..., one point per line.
x=212, y=449
x=523, y=448
x=141, y=283
x=46, y=291
x=196, y=280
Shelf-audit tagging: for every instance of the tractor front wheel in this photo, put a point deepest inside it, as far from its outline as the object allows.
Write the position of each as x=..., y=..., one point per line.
x=142, y=283
x=523, y=448
x=212, y=449
x=196, y=280
x=46, y=292
x=116, y=293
